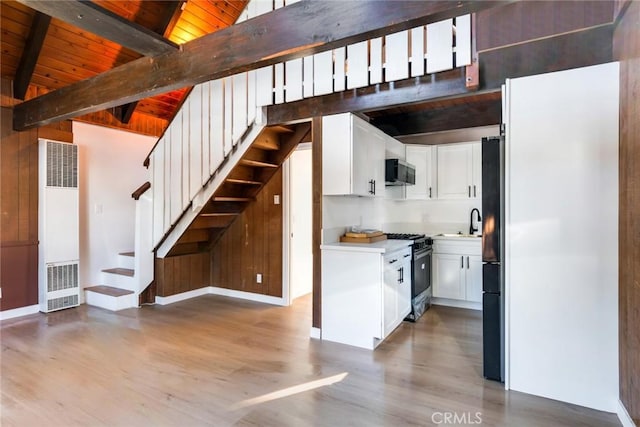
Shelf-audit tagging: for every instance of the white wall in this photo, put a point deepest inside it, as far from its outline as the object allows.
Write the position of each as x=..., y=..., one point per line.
x=562, y=236
x=111, y=169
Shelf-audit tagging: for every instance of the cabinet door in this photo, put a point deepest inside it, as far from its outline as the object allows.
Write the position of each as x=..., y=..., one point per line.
x=476, y=189
x=367, y=175
x=449, y=276
x=336, y=154
x=473, y=266
x=454, y=171
x=390, y=294
x=421, y=157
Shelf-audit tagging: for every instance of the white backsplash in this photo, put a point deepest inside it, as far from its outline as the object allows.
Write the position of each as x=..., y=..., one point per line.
x=409, y=216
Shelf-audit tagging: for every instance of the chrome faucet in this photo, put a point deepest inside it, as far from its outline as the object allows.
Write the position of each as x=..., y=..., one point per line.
x=473, y=229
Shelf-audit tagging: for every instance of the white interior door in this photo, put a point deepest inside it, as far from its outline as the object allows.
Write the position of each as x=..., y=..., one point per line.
x=301, y=257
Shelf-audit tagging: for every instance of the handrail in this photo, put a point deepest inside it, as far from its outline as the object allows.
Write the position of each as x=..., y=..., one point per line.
x=141, y=190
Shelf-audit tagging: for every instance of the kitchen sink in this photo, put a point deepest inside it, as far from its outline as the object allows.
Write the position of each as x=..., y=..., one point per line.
x=458, y=235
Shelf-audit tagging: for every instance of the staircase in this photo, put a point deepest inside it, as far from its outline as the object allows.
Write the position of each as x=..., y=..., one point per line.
x=120, y=293
x=239, y=187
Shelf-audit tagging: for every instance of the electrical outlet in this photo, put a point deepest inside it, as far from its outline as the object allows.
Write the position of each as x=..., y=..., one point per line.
x=258, y=278
x=276, y=199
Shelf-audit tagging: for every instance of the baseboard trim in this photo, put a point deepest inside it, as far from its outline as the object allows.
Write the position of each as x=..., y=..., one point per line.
x=315, y=333
x=214, y=290
x=268, y=299
x=171, y=299
x=624, y=416
x=19, y=312
x=457, y=303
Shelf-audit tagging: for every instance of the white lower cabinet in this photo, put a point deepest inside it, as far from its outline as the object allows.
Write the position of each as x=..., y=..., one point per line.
x=457, y=270
x=365, y=294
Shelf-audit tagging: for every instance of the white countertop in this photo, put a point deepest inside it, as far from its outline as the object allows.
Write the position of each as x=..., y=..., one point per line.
x=463, y=238
x=379, y=247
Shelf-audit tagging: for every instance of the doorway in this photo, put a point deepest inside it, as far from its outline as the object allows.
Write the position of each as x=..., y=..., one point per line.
x=299, y=217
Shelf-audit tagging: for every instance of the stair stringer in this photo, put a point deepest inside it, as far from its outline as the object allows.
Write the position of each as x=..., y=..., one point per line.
x=207, y=191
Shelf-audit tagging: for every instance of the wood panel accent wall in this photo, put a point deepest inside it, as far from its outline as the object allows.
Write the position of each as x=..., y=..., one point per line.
x=316, y=233
x=626, y=46
x=253, y=245
x=182, y=273
x=530, y=20
x=19, y=208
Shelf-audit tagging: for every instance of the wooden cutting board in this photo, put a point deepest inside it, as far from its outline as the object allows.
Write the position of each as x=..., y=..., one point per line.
x=363, y=234
x=347, y=239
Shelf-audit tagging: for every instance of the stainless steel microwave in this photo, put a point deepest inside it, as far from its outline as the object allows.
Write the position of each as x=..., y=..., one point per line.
x=399, y=172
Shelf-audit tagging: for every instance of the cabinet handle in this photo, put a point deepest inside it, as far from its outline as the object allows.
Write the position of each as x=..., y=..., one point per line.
x=461, y=262
x=467, y=263
x=469, y=191
x=429, y=192
x=374, y=187
x=474, y=191
x=402, y=275
x=407, y=255
x=392, y=261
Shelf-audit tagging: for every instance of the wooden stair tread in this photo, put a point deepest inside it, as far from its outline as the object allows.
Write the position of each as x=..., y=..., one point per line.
x=120, y=271
x=281, y=129
x=243, y=181
x=232, y=199
x=214, y=214
x=109, y=290
x=257, y=163
x=131, y=254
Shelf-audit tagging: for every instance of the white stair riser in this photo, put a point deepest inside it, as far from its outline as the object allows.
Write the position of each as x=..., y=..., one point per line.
x=119, y=281
x=126, y=262
x=110, y=302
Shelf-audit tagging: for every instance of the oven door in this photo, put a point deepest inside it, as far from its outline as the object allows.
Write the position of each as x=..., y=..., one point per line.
x=421, y=271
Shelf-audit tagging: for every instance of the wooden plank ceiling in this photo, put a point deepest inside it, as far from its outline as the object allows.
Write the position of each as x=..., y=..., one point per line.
x=68, y=54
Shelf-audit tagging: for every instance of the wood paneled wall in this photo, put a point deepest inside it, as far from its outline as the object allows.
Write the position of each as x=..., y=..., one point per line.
x=626, y=43
x=530, y=20
x=182, y=273
x=253, y=245
x=19, y=209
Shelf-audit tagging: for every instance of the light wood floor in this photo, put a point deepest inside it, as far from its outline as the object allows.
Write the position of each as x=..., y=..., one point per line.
x=217, y=361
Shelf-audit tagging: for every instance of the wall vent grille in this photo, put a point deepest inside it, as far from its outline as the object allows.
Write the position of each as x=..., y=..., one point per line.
x=62, y=165
x=62, y=277
x=62, y=302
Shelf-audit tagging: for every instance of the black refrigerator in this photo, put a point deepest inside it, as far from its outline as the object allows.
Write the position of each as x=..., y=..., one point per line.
x=492, y=258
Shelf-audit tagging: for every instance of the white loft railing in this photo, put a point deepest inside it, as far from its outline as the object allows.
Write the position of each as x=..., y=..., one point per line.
x=422, y=50
x=217, y=115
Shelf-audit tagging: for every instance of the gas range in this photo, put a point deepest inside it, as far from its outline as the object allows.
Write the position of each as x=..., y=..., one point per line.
x=420, y=272
x=420, y=241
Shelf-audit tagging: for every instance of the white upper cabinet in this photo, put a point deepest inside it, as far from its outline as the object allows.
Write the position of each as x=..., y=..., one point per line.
x=353, y=157
x=421, y=156
x=459, y=170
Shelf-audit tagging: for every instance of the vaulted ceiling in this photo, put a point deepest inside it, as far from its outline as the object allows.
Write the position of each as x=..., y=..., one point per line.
x=40, y=54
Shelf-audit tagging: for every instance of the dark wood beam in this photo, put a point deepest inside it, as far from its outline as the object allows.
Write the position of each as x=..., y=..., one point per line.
x=124, y=112
x=483, y=113
x=104, y=23
x=591, y=46
x=29, y=58
x=413, y=90
x=294, y=31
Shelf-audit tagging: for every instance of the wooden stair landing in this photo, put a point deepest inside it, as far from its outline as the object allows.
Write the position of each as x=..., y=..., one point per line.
x=121, y=271
x=109, y=290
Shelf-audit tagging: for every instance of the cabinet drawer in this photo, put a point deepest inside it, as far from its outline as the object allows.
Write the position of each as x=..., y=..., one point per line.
x=465, y=247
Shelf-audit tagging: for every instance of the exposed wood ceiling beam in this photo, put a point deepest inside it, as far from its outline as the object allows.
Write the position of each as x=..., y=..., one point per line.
x=29, y=58
x=104, y=23
x=294, y=31
x=124, y=112
x=413, y=90
x=481, y=113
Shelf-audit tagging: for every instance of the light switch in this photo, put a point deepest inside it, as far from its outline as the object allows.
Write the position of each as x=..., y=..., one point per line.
x=276, y=199
x=258, y=278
